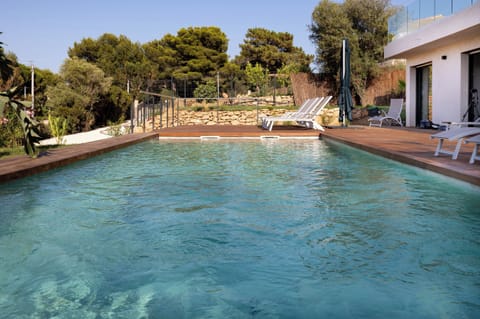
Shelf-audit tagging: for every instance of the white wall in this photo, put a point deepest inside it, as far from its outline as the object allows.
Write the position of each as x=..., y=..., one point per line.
x=453, y=37
x=449, y=81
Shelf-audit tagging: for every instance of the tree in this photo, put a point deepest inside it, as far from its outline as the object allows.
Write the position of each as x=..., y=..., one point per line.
x=232, y=73
x=364, y=24
x=20, y=76
x=118, y=57
x=126, y=62
x=330, y=25
x=199, y=51
x=43, y=79
x=14, y=76
x=256, y=76
x=163, y=54
x=271, y=50
x=5, y=65
x=76, y=97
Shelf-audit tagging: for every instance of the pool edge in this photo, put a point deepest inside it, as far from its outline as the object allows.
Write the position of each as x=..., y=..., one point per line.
x=22, y=166
x=408, y=159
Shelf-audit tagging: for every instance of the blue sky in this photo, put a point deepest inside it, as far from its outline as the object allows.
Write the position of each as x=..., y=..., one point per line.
x=42, y=31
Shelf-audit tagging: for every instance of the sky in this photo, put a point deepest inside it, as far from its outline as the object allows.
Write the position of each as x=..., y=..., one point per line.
x=41, y=32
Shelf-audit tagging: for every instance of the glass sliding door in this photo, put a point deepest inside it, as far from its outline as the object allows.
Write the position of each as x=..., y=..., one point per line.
x=424, y=94
x=473, y=111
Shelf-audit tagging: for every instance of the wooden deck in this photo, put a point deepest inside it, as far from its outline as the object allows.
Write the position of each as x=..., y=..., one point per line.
x=410, y=146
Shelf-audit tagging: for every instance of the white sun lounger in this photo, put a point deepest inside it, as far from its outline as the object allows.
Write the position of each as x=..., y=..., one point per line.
x=392, y=116
x=455, y=134
x=307, y=106
x=307, y=118
x=451, y=125
x=476, y=140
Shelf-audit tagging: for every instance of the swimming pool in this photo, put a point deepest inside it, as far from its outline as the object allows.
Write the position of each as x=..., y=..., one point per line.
x=239, y=229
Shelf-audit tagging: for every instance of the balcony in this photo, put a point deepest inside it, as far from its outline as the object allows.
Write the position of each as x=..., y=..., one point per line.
x=420, y=13
x=434, y=28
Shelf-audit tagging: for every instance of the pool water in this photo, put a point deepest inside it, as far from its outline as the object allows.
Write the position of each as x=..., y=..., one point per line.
x=239, y=229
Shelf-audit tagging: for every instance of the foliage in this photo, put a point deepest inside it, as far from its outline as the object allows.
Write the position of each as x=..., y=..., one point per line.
x=114, y=106
x=126, y=63
x=78, y=95
x=82, y=87
x=11, y=133
x=401, y=87
x=200, y=51
x=111, y=54
x=14, y=114
x=15, y=77
x=30, y=127
x=206, y=91
x=233, y=75
x=283, y=74
x=364, y=24
x=5, y=65
x=11, y=151
x=272, y=50
x=20, y=76
x=58, y=128
x=256, y=76
x=193, y=53
x=43, y=79
x=330, y=25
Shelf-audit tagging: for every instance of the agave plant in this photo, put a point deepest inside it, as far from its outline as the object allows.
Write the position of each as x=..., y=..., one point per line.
x=30, y=126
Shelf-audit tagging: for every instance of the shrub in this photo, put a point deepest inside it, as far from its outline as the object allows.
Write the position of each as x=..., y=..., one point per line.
x=58, y=128
x=11, y=132
x=206, y=91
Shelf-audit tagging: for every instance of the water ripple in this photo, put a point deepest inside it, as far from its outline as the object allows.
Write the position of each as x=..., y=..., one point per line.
x=296, y=229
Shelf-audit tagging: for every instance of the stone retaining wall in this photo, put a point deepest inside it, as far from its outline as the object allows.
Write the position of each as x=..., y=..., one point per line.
x=327, y=117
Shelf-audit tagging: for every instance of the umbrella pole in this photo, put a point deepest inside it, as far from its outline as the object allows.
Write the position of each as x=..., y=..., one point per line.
x=343, y=79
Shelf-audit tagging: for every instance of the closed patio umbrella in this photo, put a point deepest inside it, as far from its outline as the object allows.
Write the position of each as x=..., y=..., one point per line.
x=345, y=98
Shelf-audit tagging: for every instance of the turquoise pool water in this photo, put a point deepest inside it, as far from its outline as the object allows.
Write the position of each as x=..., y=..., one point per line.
x=240, y=229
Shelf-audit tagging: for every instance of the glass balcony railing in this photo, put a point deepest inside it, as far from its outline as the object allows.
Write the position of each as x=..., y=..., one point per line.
x=419, y=13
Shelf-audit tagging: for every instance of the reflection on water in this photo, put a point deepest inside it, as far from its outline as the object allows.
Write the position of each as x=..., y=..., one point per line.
x=239, y=229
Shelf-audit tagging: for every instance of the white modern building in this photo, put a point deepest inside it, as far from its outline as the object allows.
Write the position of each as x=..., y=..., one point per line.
x=440, y=41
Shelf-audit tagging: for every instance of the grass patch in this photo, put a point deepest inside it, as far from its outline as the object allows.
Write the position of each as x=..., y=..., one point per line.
x=6, y=152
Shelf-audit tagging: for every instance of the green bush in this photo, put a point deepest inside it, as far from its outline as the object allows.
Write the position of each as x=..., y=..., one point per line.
x=11, y=133
x=206, y=91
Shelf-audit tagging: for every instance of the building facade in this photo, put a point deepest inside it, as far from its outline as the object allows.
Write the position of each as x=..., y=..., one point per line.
x=440, y=41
